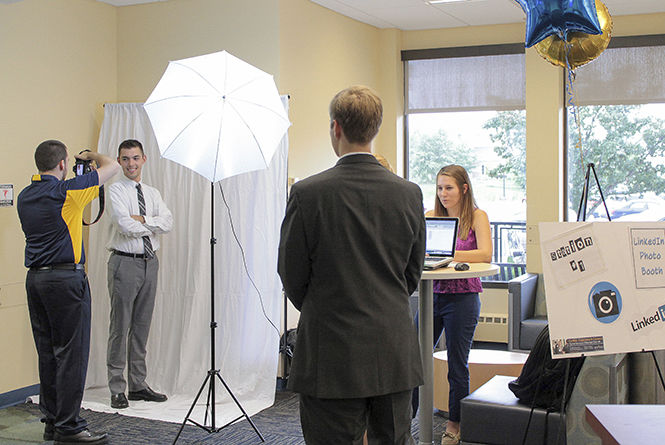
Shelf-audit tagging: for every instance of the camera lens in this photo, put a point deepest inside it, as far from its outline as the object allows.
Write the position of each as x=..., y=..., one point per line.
x=605, y=305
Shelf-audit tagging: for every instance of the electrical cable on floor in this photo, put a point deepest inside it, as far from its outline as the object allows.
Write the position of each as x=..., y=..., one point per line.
x=244, y=261
x=564, y=403
x=533, y=404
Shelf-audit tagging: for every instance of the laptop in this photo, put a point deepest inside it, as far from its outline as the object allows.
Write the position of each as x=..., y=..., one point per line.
x=441, y=241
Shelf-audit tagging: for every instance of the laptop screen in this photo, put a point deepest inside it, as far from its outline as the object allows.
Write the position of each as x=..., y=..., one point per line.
x=441, y=236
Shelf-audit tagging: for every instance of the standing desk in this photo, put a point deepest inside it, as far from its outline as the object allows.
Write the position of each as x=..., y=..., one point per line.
x=425, y=333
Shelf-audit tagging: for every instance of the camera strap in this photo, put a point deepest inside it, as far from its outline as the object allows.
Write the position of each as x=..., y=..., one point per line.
x=101, y=207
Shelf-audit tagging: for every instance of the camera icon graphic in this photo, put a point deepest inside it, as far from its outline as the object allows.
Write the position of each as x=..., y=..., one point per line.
x=605, y=302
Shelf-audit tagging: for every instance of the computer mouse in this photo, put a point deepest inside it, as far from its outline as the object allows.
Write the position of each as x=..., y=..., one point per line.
x=461, y=266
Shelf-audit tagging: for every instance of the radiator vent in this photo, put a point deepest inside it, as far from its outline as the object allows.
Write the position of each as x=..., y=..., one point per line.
x=494, y=319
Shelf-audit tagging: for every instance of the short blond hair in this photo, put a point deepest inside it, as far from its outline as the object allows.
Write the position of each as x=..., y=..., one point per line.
x=359, y=111
x=383, y=161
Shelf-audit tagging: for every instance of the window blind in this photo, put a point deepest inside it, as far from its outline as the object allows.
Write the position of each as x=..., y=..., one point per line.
x=462, y=80
x=629, y=71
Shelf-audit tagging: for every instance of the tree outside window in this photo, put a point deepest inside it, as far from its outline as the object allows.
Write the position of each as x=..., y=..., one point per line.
x=483, y=142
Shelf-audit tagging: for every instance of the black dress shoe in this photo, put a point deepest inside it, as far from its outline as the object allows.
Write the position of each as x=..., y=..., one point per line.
x=148, y=395
x=49, y=431
x=84, y=436
x=119, y=401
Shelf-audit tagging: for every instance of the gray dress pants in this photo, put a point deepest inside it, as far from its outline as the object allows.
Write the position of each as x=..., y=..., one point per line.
x=132, y=284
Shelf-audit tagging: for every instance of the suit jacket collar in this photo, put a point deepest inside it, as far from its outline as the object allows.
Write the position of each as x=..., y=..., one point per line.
x=358, y=158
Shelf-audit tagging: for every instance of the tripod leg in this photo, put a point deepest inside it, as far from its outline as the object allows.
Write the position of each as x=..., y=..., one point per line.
x=211, y=388
x=655, y=361
x=240, y=406
x=285, y=337
x=607, y=212
x=191, y=408
x=581, y=210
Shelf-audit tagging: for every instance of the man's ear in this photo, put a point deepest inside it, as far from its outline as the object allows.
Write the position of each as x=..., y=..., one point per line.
x=337, y=129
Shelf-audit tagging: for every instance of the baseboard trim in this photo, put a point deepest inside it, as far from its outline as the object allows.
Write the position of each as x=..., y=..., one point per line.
x=18, y=396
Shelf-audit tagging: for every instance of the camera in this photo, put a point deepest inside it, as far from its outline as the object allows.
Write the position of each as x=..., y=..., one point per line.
x=605, y=303
x=81, y=167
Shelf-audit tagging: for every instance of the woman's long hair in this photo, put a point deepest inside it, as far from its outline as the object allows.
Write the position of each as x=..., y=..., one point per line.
x=468, y=202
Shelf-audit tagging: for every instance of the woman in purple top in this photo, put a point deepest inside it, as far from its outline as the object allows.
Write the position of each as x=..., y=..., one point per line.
x=456, y=302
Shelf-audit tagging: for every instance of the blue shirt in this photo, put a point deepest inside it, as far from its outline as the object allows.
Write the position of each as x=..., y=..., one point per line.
x=51, y=214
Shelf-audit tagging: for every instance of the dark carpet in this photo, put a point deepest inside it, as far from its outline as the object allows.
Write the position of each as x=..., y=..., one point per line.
x=279, y=425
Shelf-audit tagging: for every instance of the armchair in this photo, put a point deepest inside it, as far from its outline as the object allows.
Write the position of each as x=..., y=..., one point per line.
x=526, y=313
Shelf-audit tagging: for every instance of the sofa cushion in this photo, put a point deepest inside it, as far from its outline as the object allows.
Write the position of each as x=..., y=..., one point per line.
x=529, y=330
x=492, y=415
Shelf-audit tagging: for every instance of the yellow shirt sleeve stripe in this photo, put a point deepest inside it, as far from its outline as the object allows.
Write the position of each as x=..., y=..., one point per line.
x=72, y=214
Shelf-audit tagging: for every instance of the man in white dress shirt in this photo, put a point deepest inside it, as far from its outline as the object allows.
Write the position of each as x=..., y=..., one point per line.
x=139, y=216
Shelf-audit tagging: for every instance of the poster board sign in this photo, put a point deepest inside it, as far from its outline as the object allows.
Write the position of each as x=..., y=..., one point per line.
x=6, y=195
x=604, y=286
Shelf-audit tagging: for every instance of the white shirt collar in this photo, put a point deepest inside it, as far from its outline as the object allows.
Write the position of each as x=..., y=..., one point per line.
x=355, y=153
x=130, y=182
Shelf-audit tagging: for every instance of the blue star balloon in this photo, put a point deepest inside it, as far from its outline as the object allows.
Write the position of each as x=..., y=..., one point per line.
x=547, y=17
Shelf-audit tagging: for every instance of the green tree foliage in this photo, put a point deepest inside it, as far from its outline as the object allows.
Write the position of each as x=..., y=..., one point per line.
x=508, y=133
x=429, y=152
x=627, y=149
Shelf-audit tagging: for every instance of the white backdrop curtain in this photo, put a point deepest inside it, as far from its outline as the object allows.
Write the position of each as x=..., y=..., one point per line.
x=247, y=338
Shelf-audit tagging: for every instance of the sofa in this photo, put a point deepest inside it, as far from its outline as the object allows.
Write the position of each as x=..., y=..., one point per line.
x=492, y=415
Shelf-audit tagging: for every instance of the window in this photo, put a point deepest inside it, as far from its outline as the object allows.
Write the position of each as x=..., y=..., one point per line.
x=458, y=111
x=620, y=100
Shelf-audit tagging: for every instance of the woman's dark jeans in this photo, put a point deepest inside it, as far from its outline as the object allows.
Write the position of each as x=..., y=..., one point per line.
x=457, y=315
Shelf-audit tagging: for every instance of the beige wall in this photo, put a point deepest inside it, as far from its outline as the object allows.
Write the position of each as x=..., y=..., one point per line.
x=58, y=67
x=150, y=35
x=468, y=36
x=389, y=142
x=68, y=57
x=321, y=52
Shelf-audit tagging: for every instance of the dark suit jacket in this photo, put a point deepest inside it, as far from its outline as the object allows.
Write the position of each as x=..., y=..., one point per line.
x=351, y=253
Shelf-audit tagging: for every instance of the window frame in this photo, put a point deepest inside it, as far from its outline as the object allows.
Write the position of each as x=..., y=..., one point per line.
x=634, y=41
x=443, y=53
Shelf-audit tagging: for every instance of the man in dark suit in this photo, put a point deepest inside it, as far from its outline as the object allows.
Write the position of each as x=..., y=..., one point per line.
x=351, y=253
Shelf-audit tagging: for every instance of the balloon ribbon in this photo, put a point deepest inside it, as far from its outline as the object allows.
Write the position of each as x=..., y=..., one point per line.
x=572, y=103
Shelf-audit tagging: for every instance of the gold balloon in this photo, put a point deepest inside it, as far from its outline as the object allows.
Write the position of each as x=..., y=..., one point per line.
x=584, y=47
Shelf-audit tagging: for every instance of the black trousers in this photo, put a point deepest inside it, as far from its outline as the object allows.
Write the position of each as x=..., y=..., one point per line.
x=386, y=418
x=59, y=305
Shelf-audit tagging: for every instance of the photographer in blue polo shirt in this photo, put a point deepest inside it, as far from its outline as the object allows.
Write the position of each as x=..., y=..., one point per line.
x=51, y=214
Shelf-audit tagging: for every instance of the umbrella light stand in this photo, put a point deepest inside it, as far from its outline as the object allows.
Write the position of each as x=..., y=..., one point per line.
x=213, y=373
x=284, y=348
